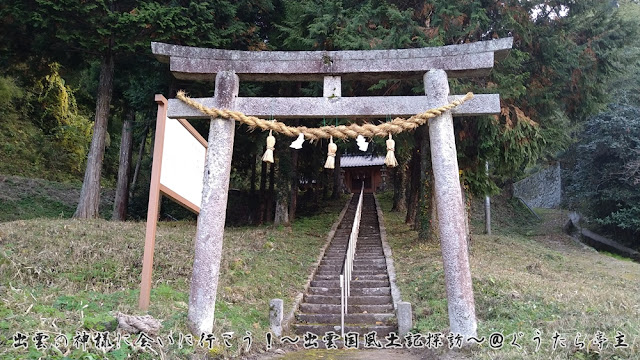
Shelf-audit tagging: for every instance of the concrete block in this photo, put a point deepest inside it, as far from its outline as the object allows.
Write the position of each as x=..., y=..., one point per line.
x=405, y=318
x=276, y=309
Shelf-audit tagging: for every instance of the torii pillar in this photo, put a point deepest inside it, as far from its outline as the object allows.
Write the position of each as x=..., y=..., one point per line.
x=462, y=60
x=213, y=211
x=450, y=209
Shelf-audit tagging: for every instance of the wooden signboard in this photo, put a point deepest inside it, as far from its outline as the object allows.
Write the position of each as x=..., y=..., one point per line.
x=178, y=168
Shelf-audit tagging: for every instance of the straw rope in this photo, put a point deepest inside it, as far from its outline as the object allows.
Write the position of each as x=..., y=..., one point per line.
x=135, y=324
x=394, y=126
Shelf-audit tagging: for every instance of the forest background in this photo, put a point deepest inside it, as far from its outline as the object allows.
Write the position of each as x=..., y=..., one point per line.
x=77, y=81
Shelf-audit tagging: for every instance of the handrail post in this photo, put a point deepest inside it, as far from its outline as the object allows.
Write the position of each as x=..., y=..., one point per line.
x=347, y=265
x=342, y=307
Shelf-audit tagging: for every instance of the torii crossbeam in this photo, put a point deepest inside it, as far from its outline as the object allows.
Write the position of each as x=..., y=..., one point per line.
x=227, y=67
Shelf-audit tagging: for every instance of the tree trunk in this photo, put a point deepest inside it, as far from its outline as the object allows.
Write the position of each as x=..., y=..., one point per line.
x=263, y=196
x=399, y=188
x=465, y=208
x=143, y=143
x=406, y=182
x=283, y=191
x=424, y=219
x=89, y=203
x=253, y=176
x=254, y=206
x=293, y=201
x=124, y=169
x=414, y=192
x=270, y=195
x=325, y=184
x=282, y=212
x=434, y=217
x=337, y=185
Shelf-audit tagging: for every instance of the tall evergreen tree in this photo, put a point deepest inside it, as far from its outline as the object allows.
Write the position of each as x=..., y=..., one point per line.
x=111, y=31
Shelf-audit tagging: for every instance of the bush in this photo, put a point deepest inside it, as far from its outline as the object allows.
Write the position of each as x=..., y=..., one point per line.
x=69, y=131
x=604, y=184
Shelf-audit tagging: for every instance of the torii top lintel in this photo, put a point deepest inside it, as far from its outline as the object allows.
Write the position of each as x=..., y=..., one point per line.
x=463, y=60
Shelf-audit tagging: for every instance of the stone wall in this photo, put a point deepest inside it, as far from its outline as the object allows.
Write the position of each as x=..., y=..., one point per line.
x=542, y=189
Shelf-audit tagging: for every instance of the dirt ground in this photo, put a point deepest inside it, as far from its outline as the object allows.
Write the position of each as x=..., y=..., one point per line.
x=382, y=354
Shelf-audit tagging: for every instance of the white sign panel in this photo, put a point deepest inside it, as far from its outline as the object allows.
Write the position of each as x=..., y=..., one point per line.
x=183, y=158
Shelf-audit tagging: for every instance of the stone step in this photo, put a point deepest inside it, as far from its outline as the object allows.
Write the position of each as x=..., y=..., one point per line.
x=370, y=299
x=376, y=250
x=332, y=262
x=357, y=272
x=356, y=267
x=354, y=283
x=363, y=254
x=361, y=269
x=336, y=276
x=351, y=319
x=353, y=300
x=353, y=309
x=378, y=276
x=354, y=274
x=321, y=330
x=370, y=257
x=354, y=291
x=343, y=246
x=333, y=257
x=378, y=260
x=356, y=261
x=380, y=255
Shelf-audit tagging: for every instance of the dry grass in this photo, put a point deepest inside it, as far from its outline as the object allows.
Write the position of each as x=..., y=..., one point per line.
x=526, y=277
x=60, y=276
x=25, y=198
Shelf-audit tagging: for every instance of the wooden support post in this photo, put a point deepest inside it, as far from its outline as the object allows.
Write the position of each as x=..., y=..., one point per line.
x=154, y=205
x=487, y=205
x=209, y=236
x=461, y=306
x=332, y=87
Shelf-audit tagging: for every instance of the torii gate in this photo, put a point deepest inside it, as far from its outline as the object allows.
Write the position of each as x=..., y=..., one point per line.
x=227, y=67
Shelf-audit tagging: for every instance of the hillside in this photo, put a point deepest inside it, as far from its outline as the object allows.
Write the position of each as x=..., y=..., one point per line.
x=528, y=275
x=63, y=275
x=26, y=198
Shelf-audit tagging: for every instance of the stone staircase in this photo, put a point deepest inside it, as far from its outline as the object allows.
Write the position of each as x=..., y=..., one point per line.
x=370, y=304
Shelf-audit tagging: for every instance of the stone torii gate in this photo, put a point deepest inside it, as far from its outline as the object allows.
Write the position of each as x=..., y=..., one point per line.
x=227, y=67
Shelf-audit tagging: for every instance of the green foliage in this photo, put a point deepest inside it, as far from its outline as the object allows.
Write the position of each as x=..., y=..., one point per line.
x=32, y=151
x=338, y=25
x=9, y=91
x=511, y=147
x=604, y=182
x=553, y=79
x=59, y=118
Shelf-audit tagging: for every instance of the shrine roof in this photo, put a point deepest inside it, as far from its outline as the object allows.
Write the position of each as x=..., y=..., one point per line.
x=349, y=161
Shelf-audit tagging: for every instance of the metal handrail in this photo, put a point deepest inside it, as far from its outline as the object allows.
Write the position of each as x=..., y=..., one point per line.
x=347, y=264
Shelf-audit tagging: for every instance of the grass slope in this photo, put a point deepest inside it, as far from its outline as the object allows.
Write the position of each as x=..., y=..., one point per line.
x=526, y=276
x=61, y=276
x=24, y=198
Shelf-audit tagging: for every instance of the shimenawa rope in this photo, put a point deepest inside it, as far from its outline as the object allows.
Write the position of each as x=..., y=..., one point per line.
x=353, y=130
x=395, y=126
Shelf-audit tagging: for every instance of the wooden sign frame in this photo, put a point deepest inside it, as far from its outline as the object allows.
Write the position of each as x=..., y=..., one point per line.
x=157, y=189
